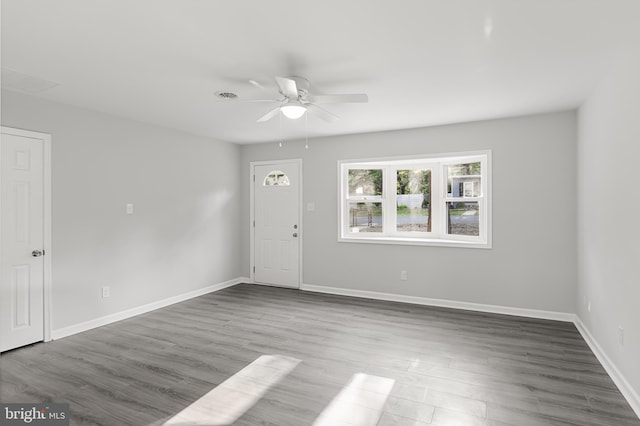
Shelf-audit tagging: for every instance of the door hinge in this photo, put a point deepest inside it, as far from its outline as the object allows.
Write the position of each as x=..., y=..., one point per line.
x=254, y=178
x=254, y=269
x=254, y=223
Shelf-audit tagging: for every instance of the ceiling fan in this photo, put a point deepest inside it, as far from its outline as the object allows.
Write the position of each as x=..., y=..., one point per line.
x=296, y=100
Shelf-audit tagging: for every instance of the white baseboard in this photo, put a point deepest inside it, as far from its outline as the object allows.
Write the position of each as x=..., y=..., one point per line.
x=630, y=394
x=494, y=309
x=118, y=316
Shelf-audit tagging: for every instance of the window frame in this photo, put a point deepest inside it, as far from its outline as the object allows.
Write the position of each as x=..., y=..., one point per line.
x=440, y=199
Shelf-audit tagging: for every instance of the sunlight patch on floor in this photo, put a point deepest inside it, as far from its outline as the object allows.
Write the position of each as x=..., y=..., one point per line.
x=360, y=402
x=227, y=402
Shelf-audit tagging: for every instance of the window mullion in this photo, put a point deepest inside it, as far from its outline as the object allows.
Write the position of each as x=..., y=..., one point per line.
x=436, y=200
x=483, y=219
x=389, y=203
x=346, y=199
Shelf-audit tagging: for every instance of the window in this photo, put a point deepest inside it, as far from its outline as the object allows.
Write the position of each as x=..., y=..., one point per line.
x=365, y=199
x=437, y=200
x=276, y=178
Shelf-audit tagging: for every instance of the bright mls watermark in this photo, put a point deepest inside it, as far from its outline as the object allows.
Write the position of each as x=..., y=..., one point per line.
x=45, y=414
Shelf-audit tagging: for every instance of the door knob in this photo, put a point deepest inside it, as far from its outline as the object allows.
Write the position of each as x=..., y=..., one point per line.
x=37, y=253
x=295, y=234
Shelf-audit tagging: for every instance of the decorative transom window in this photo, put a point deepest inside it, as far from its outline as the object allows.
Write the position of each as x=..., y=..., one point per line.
x=436, y=200
x=276, y=178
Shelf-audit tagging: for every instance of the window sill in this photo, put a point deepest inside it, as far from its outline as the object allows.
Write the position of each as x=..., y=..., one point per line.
x=417, y=242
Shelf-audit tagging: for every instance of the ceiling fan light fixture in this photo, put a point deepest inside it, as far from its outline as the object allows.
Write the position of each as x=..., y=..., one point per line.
x=294, y=111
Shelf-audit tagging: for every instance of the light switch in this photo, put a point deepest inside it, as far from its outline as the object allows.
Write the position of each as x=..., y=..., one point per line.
x=129, y=208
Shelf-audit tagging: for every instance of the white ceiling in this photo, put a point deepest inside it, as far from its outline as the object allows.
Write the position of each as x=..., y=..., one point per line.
x=422, y=62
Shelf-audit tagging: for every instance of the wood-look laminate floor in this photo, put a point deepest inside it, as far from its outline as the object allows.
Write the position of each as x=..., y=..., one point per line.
x=448, y=367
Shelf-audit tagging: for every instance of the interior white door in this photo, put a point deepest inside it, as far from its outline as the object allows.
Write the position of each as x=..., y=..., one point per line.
x=21, y=241
x=277, y=224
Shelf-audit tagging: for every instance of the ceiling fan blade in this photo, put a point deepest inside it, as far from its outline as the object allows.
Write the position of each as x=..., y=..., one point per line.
x=256, y=84
x=322, y=113
x=338, y=99
x=268, y=116
x=287, y=87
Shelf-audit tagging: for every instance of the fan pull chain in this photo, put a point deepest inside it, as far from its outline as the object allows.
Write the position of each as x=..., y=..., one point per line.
x=306, y=129
x=280, y=128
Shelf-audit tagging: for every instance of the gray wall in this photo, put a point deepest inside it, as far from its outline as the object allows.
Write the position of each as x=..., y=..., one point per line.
x=533, y=261
x=185, y=190
x=608, y=207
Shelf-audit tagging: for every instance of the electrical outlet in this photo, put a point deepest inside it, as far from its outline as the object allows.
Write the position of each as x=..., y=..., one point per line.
x=106, y=292
x=403, y=275
x=621, y=335
x=129, y=208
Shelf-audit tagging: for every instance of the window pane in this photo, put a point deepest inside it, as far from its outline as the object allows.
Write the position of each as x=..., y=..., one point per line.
x=463, y=218
x=463, y=180
x=365, y=217
x=363, y=182
x=276, y=178
x=413, y=200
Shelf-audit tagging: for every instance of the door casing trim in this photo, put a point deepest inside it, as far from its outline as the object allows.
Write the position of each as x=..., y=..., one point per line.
x=252, y=167
x=47, y=246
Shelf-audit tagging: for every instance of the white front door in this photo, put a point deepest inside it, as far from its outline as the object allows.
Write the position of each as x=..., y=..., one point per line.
x=277, y=223
x=21, y=240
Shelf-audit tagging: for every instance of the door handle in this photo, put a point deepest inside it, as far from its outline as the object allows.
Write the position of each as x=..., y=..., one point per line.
x=37, y=253
x=295, y=234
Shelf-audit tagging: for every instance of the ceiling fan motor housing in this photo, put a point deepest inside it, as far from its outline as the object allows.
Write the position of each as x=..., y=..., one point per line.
x=302, y=84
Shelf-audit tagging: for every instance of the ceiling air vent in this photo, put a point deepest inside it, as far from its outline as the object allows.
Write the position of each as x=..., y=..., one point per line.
x=227, y=96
